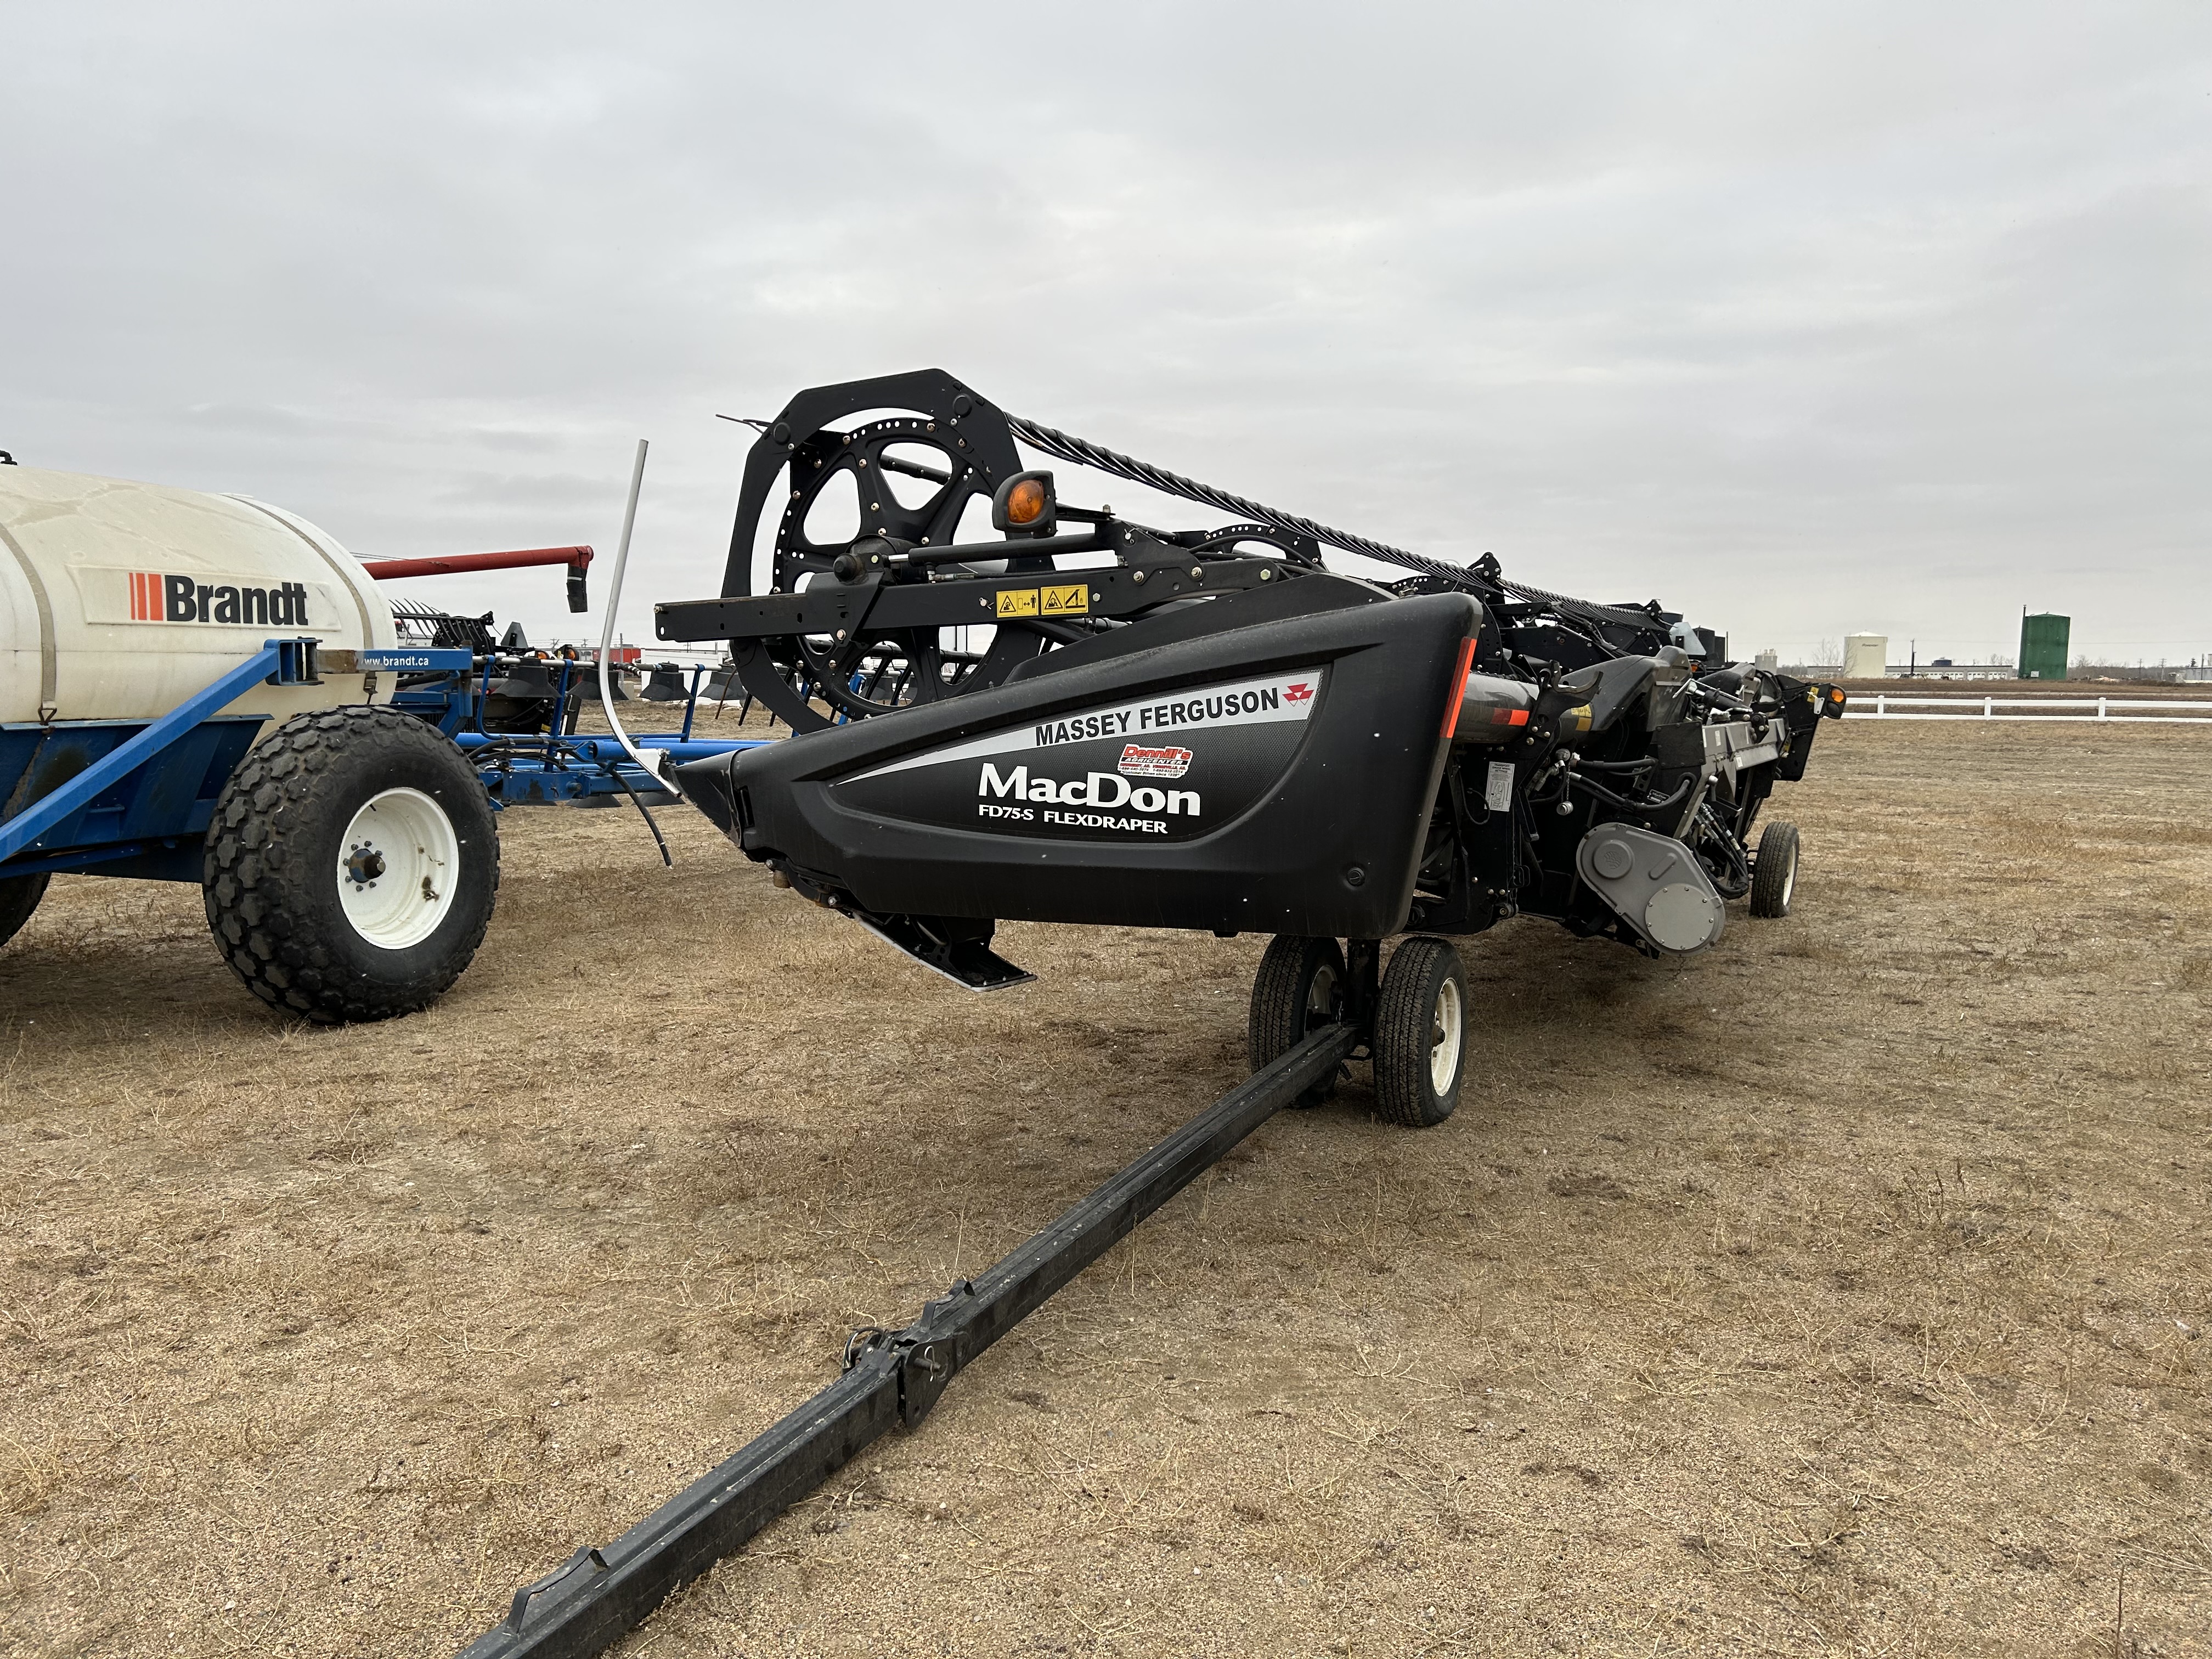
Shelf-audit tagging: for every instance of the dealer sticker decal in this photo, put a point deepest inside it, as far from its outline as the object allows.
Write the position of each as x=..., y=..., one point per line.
x=1138, y=762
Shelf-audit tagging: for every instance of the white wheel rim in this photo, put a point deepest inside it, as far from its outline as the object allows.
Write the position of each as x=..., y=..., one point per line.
x=1789, y=880
x=1321, y=997
x=1445, y=1025
x=398, y=866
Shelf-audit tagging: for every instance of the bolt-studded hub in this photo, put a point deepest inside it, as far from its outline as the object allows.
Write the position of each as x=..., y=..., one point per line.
x=398, y=865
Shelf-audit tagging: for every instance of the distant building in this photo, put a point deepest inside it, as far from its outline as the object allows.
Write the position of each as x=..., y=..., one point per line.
x=1770, y=660
x=2043, y=642
x=1866, y=656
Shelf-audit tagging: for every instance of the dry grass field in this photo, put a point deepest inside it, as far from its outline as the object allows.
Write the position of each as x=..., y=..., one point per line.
x=1838, y=1291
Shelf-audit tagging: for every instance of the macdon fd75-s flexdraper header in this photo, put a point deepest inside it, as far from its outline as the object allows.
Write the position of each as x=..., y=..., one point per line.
x=1208, y=729
x=1085, y=720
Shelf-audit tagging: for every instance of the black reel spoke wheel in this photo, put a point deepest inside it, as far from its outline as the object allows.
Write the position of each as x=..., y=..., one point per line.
x=19, y=896
x=1300, y=986
x=1774, y=870
x=873, y=675
x=857, y=484
x=912, y=477
x=1420, y=1034
x=351, y=866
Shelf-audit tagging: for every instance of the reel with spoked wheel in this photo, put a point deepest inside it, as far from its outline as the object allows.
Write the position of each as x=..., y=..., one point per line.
x=847, y=625
x=957, y=448
x=920, y=453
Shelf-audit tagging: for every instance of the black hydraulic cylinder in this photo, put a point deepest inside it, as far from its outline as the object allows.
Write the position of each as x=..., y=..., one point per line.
x=891, y=1377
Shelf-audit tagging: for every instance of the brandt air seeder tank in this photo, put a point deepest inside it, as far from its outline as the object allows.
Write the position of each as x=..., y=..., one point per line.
x=1081, y=718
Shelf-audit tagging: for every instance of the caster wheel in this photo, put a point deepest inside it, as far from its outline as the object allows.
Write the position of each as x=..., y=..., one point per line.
x=1420, y=1034
x=1300, y=986
x=1774, y=870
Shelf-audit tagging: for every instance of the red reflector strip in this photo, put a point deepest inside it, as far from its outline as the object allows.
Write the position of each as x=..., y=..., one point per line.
x=1459, y=688
x=1508, y=717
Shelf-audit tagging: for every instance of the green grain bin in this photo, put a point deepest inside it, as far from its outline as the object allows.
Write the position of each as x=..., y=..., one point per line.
x=2043, y=642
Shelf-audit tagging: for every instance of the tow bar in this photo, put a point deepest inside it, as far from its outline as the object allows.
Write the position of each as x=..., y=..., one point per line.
x=890, y=1377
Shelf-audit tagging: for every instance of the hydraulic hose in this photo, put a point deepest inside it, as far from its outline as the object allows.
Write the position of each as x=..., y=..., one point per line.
x=649, y=761
x=1679, y=794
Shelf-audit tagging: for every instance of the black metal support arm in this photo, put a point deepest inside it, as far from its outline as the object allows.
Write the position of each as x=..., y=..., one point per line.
x=891, y=1378
x=1149, y=578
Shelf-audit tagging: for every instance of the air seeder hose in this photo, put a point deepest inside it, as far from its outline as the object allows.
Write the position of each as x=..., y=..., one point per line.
x=650, y=761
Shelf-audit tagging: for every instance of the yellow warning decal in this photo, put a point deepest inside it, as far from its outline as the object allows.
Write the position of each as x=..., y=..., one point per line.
x=1068, y=599
x=1072, y=600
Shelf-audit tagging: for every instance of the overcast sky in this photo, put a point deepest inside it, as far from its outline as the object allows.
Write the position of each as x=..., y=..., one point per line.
x=1805, y=319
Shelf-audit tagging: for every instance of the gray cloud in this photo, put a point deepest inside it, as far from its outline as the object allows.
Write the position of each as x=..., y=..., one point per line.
x=1808, y=319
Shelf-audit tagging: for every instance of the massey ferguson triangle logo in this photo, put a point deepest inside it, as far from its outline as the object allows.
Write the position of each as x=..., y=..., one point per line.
x=1298, y=693
x=157, y=597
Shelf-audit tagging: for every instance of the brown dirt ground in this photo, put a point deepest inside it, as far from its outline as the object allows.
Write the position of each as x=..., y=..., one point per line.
x=1838, y=1291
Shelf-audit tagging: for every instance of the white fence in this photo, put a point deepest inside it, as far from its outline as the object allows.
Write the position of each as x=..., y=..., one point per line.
x=1887, y=707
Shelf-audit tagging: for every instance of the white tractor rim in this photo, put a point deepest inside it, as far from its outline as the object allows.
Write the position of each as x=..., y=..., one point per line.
x=1444, y=1028
x=1789, y=880
x=398, y=866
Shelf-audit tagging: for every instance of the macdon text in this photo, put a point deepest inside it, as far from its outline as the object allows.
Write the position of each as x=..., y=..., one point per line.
x=1098, y=789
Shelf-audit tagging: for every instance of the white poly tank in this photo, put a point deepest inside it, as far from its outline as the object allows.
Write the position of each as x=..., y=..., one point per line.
x=118, y=600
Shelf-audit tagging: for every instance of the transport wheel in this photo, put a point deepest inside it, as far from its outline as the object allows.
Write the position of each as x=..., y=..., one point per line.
x=1420, y=1034
x=351, y=866
x=1300, y=986
x=1774, y=870
x=19, y=896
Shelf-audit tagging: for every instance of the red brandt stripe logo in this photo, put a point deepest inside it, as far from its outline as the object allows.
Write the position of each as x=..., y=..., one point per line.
x=1297, y=693
x=157, y=596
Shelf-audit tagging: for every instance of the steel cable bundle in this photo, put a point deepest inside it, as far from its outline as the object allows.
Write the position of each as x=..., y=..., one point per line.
x=1081, y=452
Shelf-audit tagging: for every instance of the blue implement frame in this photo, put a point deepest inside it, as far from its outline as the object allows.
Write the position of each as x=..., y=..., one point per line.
x=138, y=776
x=134, y=798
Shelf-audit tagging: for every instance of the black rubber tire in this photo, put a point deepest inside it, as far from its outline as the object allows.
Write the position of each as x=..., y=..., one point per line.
x=19, y=896
x=1291, y=997
x=1774, y=870
x=1408, y=1027
x=270, y=881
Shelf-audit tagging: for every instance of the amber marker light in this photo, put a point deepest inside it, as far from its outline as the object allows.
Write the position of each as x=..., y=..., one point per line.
x=1024, y=504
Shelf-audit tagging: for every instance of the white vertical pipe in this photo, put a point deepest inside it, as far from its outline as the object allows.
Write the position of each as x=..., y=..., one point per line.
x=650, y=760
